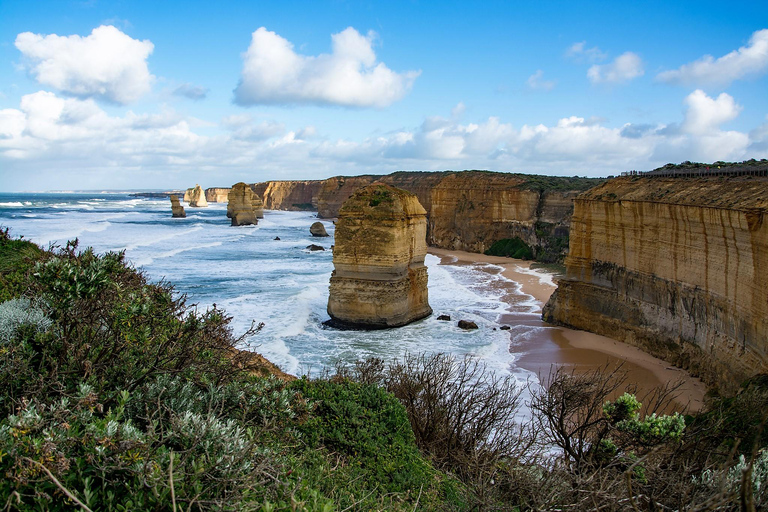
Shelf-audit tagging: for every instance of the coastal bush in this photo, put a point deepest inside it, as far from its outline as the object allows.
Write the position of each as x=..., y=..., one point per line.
x=117, y=395
x=511, y=248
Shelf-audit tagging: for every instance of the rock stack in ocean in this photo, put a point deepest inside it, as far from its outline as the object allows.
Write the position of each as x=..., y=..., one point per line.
x=196, y=197
x=379, y=278
x=240, y=205
x=176, y=208
x=317, y=229
x=258, y=205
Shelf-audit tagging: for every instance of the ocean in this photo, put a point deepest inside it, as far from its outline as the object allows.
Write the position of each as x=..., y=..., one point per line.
x=255, y=277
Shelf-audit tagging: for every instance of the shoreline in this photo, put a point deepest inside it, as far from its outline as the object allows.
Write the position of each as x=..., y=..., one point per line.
x=561, y=346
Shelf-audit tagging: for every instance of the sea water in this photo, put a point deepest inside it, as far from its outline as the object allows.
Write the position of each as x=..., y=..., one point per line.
x=255, y=277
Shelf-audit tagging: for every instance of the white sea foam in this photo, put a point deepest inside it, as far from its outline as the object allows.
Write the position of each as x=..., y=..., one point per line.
x=11, y=204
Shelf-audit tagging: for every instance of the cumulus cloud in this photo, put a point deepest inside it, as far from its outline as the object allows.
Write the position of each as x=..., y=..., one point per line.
x=107, y=64
x=349, y=76
x=579, y=52
x=747, y=60
x=705, y=115
x=59, y=137
x=536, y=81
x=624, y=68
x=193, y=92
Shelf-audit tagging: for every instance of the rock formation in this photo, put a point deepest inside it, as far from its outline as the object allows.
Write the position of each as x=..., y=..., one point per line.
x=217, y=194
x=317, y=229
x=379, y=278
x=196, y=197
x=288, y=195
x=240, y=205
x=257, y=204
x=676, y=266
x=176, y=208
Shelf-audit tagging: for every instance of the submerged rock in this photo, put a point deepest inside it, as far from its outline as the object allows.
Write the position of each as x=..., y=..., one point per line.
x=314, y=247
x=444, y=317
x=467, y=324
x=240, y=206
x=379, y=278
x=176, y=208
x=318, y=229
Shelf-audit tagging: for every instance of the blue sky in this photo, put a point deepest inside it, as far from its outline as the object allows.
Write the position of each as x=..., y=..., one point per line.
x=108, y=95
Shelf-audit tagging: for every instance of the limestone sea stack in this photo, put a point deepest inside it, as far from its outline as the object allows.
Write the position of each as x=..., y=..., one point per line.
x=197, y=197
x=379, y=278
x=176, y=208
x=317, y=229
x=258, y=205
x=240, y=205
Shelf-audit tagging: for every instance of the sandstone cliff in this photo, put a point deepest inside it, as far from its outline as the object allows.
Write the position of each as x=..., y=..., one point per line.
x=217, y=194
x=288, y=195
x=470, y=210
x=176, y=209
x=379, y=278
x=240, y=205
x=676, y=266
x=196, y=197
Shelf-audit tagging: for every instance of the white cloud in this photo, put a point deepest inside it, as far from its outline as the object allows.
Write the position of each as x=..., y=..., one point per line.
x=107, y=64
x=747, y=60
x=579, y=52
x=624, y=68
x=705, y=115
x=191, y=91
x=348, y=76
x=52, y=142
x=536, y=81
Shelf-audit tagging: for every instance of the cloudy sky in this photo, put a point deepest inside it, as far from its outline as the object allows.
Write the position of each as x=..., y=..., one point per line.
x=98, y=94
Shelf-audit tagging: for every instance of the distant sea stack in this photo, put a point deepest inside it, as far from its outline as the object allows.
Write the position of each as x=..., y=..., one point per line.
x=240, y=205
x=197, y=197
x=677, y=264
x=379, y=278
x=176, y=208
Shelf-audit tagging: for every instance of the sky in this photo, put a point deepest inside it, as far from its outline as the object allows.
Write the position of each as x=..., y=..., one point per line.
x=137, y=94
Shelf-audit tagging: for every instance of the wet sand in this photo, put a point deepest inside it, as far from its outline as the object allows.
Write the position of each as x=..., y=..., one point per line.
x=559, y=346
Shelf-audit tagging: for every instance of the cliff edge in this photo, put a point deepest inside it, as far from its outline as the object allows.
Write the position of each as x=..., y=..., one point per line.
x=675, y=265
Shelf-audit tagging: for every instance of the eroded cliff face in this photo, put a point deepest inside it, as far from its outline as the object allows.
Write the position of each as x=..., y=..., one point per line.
x=288, y=195
x=470, y=210
x=676, y=266
x=379, y=278
x=217, y=194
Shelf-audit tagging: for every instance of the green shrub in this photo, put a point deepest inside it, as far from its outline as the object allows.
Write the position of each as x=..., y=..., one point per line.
x=511, y=248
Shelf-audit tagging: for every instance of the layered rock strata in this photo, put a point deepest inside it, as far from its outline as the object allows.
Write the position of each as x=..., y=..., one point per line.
x=176, y=209
x=240, y=205
x=257, y=204
x=379, y=278
x=196, y=197
x=676, y=266
x=288, y=195
x=470, y=210
x=217, y=194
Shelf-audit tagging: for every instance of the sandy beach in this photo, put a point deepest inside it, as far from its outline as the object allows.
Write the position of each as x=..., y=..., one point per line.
x=559, y=346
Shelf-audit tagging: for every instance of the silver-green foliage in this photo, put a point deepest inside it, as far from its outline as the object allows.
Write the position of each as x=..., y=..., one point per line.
x=16, y=313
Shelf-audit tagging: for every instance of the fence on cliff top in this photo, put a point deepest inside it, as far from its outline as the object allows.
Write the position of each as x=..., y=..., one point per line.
x=758, y=169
